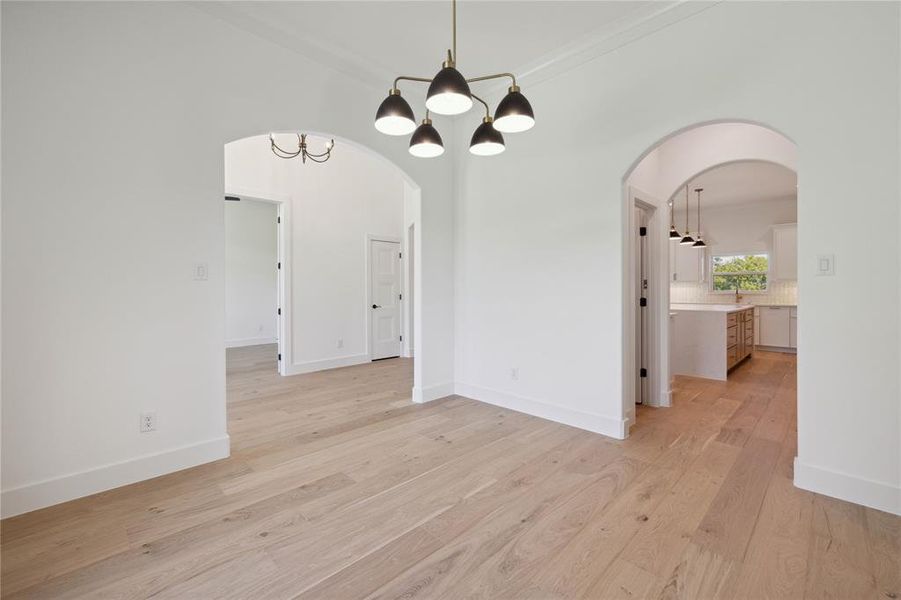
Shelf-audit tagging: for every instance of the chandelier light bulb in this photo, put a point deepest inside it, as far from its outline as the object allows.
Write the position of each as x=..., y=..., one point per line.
x=426, y=141
x=486, y=140
x=514, y=113
x=449, y=93
x=394, y=116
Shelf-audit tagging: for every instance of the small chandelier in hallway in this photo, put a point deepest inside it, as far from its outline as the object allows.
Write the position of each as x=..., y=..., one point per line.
x=301, y=151
x=449, y=94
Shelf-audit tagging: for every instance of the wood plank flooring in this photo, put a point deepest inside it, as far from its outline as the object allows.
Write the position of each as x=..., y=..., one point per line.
x=339, y=488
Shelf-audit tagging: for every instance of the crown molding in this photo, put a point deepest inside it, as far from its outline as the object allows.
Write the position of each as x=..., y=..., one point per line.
x=607, y=39
x=599, y=42
x=327, y=54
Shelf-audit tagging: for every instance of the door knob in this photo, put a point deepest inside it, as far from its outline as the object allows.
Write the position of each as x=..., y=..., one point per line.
x=376, y=306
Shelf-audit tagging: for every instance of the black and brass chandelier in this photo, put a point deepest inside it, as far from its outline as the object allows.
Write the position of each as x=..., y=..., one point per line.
x=301, y=151
x=449, y=94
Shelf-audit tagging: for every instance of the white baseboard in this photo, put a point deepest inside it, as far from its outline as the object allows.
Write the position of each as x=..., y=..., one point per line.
x=666, y=399
x=250, y=342
x=874, y=494
x=609, y=426
x=41, y=494
x=432, y=392
x=781, y=349
x=328, y=363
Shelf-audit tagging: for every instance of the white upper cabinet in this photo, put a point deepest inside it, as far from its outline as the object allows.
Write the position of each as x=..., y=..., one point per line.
x=785, y=252
x=688, y=263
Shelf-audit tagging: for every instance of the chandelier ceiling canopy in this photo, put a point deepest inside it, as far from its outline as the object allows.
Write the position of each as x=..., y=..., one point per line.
x=449, y=93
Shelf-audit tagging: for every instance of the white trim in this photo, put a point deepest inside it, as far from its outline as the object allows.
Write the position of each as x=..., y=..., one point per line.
x=250, y=342
x=783, y=349
x=48, y=492
x=874, y=494
x=658, y=301
x=285, y=338
x=328, y=363
x=610, y=426
x=434, y=392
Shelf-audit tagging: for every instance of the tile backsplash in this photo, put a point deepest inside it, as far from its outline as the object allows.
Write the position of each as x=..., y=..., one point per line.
x=780, y=292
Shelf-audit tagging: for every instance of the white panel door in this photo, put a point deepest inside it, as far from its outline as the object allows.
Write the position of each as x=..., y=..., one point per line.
x=384, y=292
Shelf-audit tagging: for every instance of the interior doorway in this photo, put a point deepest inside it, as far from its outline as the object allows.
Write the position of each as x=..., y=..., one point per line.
x=702, y=274
x=385, y=297
x=255, y=311
x=642, y=291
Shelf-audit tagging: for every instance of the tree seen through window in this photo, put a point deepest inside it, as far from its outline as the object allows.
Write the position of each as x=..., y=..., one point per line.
x=742, y=272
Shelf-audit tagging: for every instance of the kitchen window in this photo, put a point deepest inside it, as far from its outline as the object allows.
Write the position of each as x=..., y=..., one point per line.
x=741, y=272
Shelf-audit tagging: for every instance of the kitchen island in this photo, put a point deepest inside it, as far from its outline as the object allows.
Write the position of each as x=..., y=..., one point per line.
x=706, y=340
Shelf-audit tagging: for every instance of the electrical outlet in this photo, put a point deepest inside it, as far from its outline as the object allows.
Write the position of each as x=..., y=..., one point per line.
x=340, y=342
x=201, y=272
x=514, y=373
x=148, y=422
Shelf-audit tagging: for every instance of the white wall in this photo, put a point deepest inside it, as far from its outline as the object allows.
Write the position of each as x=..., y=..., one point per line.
x=251, y=277
x=334, y=206
x=102, y=319
x=540, y=244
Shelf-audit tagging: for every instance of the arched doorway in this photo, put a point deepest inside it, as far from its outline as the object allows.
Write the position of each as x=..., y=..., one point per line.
x=649, y=187
x=262, y=177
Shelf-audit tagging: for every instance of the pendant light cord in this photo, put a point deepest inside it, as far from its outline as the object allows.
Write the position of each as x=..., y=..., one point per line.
x=698, y=190
x=454, y=27
x=687, y=211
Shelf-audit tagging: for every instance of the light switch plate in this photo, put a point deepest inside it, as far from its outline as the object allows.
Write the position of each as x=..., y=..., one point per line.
x=826, y=264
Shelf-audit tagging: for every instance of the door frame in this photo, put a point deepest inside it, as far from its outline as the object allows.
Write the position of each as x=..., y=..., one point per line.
x=283, y=233
x=367, y=282
x=660, y=393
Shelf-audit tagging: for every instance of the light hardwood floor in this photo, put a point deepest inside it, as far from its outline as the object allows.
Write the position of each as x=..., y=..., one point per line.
x=338, y=488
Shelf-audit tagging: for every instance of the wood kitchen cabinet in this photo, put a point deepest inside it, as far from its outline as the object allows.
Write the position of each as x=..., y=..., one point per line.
x=739, y=336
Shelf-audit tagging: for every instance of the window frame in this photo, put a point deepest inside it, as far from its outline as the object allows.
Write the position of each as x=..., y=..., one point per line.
x=713, y=274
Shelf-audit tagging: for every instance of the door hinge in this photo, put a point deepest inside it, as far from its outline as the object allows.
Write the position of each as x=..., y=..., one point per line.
x=279, y=356
x=279, y=311
x=400, y=296
x=278, y=220
x=278, y=266
x=642, y=372
x=642, y=302
x=642, y=231
x=401, y=338
x=400, y=255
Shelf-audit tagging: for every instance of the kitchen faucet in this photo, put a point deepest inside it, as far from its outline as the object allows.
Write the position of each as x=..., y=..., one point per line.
x=737, y=297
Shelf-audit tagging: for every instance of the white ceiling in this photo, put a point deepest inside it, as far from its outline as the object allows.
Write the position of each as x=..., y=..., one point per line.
x=376, y=41
x=743, y=183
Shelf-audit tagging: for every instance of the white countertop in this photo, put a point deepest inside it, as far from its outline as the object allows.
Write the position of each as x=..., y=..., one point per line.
x=724, y=308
